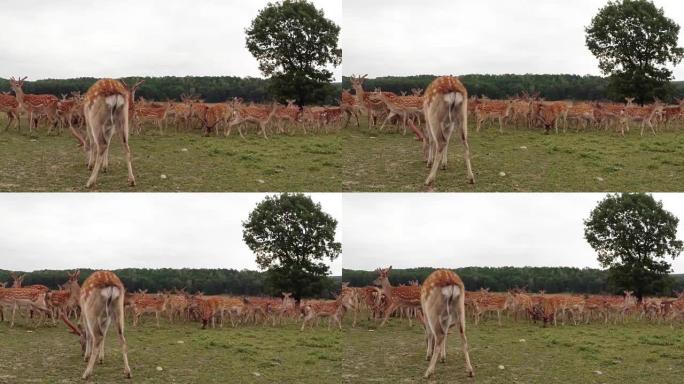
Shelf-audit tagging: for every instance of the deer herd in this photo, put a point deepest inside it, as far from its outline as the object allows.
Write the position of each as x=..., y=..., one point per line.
x=110, y=106
x=445, y=106
x=437, y=304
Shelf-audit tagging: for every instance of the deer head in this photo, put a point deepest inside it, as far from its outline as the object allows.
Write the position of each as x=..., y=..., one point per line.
x=383, y=275
x=17, y=84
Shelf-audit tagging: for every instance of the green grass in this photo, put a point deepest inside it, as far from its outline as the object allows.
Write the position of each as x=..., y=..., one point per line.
x=631, y=353
x=186, y=354
x=588, y=161
x=191, y=162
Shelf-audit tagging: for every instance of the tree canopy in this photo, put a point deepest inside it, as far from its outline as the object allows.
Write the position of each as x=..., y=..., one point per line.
x=291, y=237
x=635, y=42
x=634, y=236
x=295, y=44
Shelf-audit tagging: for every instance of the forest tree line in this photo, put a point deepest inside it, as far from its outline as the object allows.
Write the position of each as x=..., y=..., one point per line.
x=211, y=89
x=500, y=279
x=550, y=87
x=209, y=281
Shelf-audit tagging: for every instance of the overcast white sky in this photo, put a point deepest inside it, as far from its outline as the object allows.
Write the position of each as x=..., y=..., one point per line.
x=409, y=37
x=75, y=38
x=462, y=230
x=121, y=230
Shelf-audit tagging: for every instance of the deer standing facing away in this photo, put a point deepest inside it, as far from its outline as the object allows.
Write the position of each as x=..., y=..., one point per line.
x=442, y=298
x=102, y=302
x=106, y=110
x=445, y=106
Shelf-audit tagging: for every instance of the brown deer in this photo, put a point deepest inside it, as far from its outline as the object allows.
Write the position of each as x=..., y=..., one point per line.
x=442, y=299
x=106, y=108
x=445, y=106
x=102, y=302
x=35, y=105
x=401, y=297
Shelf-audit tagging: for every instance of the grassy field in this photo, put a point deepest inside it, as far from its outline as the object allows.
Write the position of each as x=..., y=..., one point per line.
x=186, y=354
x=190, y=162
x=588, y=161
x=632, y=353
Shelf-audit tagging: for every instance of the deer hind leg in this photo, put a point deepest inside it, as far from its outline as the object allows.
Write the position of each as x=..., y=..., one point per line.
x=437, y=334
x=438, y=146
x=100, y=147
x=127, y=151
x=119, y=321
x=96, y=339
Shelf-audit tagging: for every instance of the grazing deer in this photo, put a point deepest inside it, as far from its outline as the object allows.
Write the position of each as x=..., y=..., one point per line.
x=403, y=296
x=445, y=107
x=34, y=104
x=106, y=110
x=442, y=299
x=102, y=302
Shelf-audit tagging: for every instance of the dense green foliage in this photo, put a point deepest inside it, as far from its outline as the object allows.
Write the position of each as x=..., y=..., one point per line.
x=292, y=238
x=209, y=281
x=634, y=236
x=635, y=42
x=550, y=87
x=211, y=89
x=551, y=279
x=294, y=43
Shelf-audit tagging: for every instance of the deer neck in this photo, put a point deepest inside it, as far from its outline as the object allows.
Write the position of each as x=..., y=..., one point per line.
x=360, y=93
x=20, y=98
x=386, y=288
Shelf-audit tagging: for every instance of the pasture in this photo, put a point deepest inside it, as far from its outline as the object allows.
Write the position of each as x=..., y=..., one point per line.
x=186, y=354
x=637, y=352
x=585, y=161
x=188, y=162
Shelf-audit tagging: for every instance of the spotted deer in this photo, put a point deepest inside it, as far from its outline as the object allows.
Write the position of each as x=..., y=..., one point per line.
x=445, y=106
x=106, y=107
x=33, y=298
x=401, y=106
x=442, y=299
x=65, y=300
x=102, y=302
x=34, y=105
x=254, y=114
x=10, y=106
x=400, y=297
x=145, y=303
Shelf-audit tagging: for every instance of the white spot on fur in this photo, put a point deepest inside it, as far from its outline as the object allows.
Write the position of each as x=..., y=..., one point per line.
x=451, y=291
x=115, y=101
x=110, y=292
x=453, y=98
